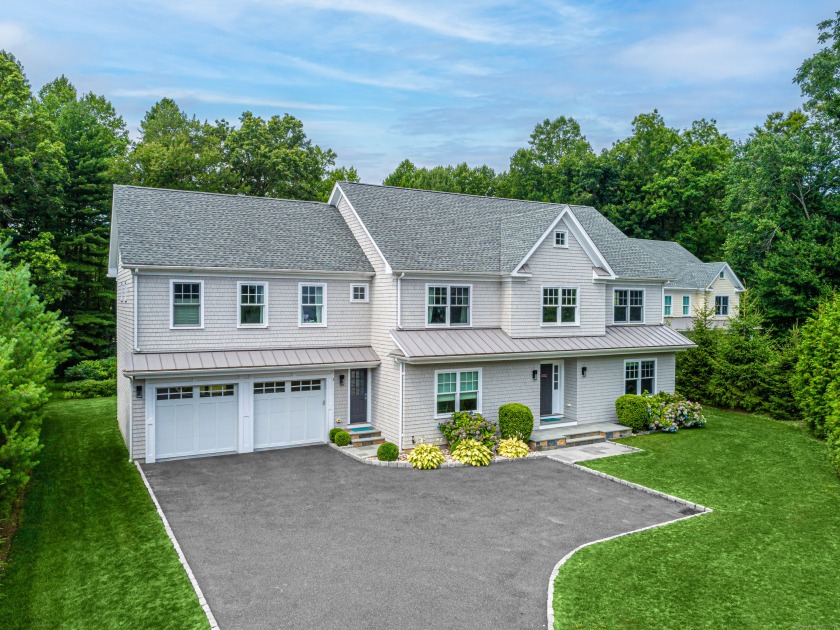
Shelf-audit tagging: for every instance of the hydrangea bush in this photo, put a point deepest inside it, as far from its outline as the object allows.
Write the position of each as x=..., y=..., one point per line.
x=671, y=412
x=464, y=425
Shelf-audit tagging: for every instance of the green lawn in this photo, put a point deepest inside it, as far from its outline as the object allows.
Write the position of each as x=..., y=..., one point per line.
x=91, y=551
x=767, y=557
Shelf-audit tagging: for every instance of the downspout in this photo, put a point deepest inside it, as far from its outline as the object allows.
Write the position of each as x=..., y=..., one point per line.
x=130, y=418
x=134, y=305
x=402, y=379
x=399, y=301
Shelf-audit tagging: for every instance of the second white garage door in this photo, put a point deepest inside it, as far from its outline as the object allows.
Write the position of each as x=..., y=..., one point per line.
x=195, y=420
x=289, y=413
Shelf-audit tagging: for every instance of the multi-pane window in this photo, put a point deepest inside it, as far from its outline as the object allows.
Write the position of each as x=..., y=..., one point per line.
x=686, y=305
x=270, y=387
x=457, y=391
x=640, y=377
x=173, y=393
x=358, y=293
x=215, y=391
x=186, y=304
x=252, y=305
x=306, y=386
x=559, y=305
x=722, y=305
x=628, y=306
x=312, y=304
x=667, y=306
x=561, y=238
x=448, y=306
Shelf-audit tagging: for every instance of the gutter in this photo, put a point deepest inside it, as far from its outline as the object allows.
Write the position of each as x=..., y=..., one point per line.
x=250, y=270
x=399, y=300
x=559, y=354
x=402, y=385
x=130, y=417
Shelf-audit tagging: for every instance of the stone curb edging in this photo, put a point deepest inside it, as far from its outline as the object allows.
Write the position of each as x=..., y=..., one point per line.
x=201, y=600
x=701, y=511
x=375, y=462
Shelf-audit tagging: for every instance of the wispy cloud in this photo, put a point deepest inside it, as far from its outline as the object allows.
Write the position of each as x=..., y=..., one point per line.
x=203, y=96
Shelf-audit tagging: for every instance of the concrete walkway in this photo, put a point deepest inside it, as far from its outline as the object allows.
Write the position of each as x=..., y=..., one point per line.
x=575, y=454
x=308, y=538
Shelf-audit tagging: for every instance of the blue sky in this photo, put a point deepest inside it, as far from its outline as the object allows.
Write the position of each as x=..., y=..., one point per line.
x=437, y=82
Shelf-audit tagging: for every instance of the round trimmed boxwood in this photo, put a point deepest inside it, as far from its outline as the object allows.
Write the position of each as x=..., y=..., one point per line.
x=333, y=433
x=342, y=438
x=632, y=411
x=387, y=452
x=515, y=420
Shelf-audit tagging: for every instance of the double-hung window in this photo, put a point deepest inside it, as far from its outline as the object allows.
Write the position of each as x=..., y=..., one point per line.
x=560, y=305
x=252, y=300
x=312, y=304
x=686, y=305
x=667, y=306
x=628, y=306
x=722, y=305
x=448, y=306
x=640, y=377
x=458, y=390
x=187, y=307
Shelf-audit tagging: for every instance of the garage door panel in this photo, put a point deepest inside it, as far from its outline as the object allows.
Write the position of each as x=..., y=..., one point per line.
x=188, y=423
x=286, y=416
x=314, y=418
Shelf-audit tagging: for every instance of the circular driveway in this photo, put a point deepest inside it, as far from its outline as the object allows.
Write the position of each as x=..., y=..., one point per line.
x=308, y=538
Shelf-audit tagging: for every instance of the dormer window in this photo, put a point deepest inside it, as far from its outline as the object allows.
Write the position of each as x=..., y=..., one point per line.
x=561, y=238
x=448, y=305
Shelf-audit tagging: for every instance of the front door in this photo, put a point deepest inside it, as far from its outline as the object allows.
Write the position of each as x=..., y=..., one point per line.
x=546, y=389
x=358, y=396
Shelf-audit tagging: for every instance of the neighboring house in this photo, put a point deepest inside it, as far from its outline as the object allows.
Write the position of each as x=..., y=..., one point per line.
x=696, y=286
x=246, y=323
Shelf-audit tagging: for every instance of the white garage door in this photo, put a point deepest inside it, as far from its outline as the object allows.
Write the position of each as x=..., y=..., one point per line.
x=195, y=420
x=289, y=413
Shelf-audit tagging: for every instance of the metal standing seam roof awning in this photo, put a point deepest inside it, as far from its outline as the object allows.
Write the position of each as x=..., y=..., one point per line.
x=212, y=361
x=427, y=346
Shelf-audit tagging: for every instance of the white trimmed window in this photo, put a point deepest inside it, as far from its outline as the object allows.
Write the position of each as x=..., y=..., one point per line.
x=458, y=390
x=629, y=306
x=722, y=305
x=686, y=305
x=312, y=304
x=667, y=306
x=252, y=301
x=561, y=238
x=560, y=305
x=359, y=293
x=448, y=305
x=187, y=307
x=640, y=377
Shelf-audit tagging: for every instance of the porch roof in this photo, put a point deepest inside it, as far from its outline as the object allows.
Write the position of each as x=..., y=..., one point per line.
x=165, y=363
x=426, y=346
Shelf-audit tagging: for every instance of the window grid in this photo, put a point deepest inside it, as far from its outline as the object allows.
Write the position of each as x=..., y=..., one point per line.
x=251, y=304
x=628, y=306
x=667, y=305
x=722, y=305
x=448, y=306
x=457, y=391
x=306, y=386
x=560, y=238
x=173, y=393
x=270, y=387
x=359, y=293
x=215, y=391
x=311, y=304
x=186, y=304
x=640, y=377
x=686, y=305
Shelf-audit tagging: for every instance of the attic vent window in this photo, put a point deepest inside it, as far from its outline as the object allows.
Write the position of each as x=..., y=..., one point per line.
x=561, y=238
x=721, y=275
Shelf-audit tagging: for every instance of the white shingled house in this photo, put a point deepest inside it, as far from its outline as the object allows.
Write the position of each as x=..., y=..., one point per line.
x=249, y=323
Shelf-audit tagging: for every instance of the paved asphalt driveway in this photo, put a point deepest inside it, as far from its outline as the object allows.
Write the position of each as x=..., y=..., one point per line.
x=308, y=538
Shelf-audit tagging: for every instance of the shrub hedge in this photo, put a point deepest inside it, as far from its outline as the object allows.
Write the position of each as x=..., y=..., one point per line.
x=92, y=370
x=469, y=426
x=342, y=438
x=333, y=433
x=90, y=388
x=632, y=411
x=516, y=420
x=387, y=452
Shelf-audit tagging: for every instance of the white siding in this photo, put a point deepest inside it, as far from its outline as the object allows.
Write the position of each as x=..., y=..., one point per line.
x=125, y=340
x=348, y=323
x=557, y=266
x=138, y=422
x=385, y=380
x=653, y=301
x=501, y=383
x=570, y=376
x=485, y=301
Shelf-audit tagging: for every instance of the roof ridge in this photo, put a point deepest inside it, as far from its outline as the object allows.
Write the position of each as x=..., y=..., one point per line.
x=216, y=194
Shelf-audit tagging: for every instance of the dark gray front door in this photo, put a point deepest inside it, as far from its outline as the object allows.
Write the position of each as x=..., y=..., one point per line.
x=546, y=391
x=358, y=396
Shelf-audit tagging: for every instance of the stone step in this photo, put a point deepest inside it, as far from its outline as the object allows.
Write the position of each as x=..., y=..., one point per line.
x=583, y=441
x=361, y=435
x=368, y=441
x=583, y=434
x=547, y=444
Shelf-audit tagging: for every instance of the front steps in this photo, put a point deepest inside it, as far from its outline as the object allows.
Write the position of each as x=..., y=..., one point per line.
x=364, y=435
x=546, y=438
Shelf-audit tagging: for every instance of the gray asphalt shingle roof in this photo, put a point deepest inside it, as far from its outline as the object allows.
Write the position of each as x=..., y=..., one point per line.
x=187, y=228
x=435, y=231
x=690, y=271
